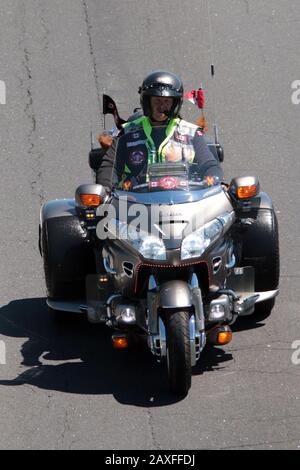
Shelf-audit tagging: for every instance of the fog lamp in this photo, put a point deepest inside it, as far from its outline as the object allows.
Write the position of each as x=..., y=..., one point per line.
x=217, y=312
x=125, y=313
x=128, y=315
x=219, y=309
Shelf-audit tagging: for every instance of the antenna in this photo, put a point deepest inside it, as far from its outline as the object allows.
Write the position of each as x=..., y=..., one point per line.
x=92, y=141
x=212, y=71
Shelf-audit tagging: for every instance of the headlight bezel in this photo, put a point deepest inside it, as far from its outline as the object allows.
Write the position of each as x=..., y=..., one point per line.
x=138, y=240
x=207, y=235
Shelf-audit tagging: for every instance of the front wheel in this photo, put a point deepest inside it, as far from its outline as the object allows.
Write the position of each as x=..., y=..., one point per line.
x=179, y=352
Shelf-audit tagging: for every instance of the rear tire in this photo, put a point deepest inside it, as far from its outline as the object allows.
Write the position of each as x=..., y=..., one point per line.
x=261, y=250
x=179, y=353
x=68, y=260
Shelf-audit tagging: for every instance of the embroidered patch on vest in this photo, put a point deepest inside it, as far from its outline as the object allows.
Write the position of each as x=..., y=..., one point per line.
x=137, y=157
x=181, y=137
x=187, y=128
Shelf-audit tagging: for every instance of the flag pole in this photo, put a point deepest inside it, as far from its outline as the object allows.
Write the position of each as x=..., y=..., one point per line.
x=212, y=72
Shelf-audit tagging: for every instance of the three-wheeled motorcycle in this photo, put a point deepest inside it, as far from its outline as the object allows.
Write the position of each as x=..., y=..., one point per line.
x=174, y=260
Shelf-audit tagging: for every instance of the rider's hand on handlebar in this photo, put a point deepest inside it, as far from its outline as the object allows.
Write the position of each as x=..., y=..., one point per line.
x=105, y=140
x=210, y=180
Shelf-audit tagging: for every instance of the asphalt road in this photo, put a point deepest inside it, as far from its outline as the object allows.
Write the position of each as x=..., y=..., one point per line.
x=63, y=387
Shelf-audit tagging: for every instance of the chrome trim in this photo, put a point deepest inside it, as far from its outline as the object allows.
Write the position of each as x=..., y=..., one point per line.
x=227, y=220
x=192, y=327
x=107, y=268
x=202, y=343
x=67, y=306
x=199, y=311
x=216, y=264
x=163, y=338
x=267, y=295
x=197, y=341
x=246, y=305
x=152, y=283
x=194, y=282
x=158, y=343
x=231, y=263
x=108, y=306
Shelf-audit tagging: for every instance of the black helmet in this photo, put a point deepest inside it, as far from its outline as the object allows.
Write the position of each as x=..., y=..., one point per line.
x=162, y=83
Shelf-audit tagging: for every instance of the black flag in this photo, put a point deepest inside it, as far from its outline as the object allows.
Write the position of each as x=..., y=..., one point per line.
x=110, y=107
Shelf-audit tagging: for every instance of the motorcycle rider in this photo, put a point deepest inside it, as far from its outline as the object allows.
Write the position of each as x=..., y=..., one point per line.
x=159, y=135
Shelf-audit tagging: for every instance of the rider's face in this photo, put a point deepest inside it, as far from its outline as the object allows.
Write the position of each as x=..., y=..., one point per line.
x=159, y=104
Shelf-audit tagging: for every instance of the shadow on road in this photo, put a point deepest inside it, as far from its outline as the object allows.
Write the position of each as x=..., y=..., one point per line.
x=87, y=362
x=252, y=322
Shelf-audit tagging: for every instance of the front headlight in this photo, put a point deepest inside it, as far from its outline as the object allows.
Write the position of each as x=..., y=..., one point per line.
x=148, y=246
x=195, y=244
x=152, y=248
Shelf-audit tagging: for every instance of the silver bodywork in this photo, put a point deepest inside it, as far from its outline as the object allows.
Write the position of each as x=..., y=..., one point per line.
x=126, y=268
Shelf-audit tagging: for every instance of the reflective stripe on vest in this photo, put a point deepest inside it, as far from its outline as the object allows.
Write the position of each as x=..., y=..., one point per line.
x=147, y=128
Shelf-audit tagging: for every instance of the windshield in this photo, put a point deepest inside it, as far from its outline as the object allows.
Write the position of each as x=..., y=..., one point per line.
x=151, y=163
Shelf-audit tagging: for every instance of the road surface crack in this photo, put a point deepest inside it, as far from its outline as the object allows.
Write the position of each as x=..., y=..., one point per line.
x=92, y=53
x=152, y=430
x=26, y=84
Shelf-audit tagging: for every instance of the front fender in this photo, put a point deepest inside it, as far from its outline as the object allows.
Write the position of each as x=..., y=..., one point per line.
x=57, y=208
x=175, y=294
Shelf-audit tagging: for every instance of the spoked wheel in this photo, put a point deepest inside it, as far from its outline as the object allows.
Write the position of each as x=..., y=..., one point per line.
x=179, y=352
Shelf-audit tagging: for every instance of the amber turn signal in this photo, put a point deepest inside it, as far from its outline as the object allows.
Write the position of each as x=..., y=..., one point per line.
x=90, y=200
x=120, y=342
x=224, y=337
x=245, y=192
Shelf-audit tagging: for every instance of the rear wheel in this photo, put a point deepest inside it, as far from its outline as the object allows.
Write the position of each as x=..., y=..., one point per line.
x=179, y=352
x=67, y=258
x=261, y=250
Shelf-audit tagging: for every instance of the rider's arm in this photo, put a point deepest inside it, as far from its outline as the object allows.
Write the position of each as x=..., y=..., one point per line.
x=208, y=165
x=112, y=166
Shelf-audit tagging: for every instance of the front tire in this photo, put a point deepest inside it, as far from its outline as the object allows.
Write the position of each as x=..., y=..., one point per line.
x=179, y=352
